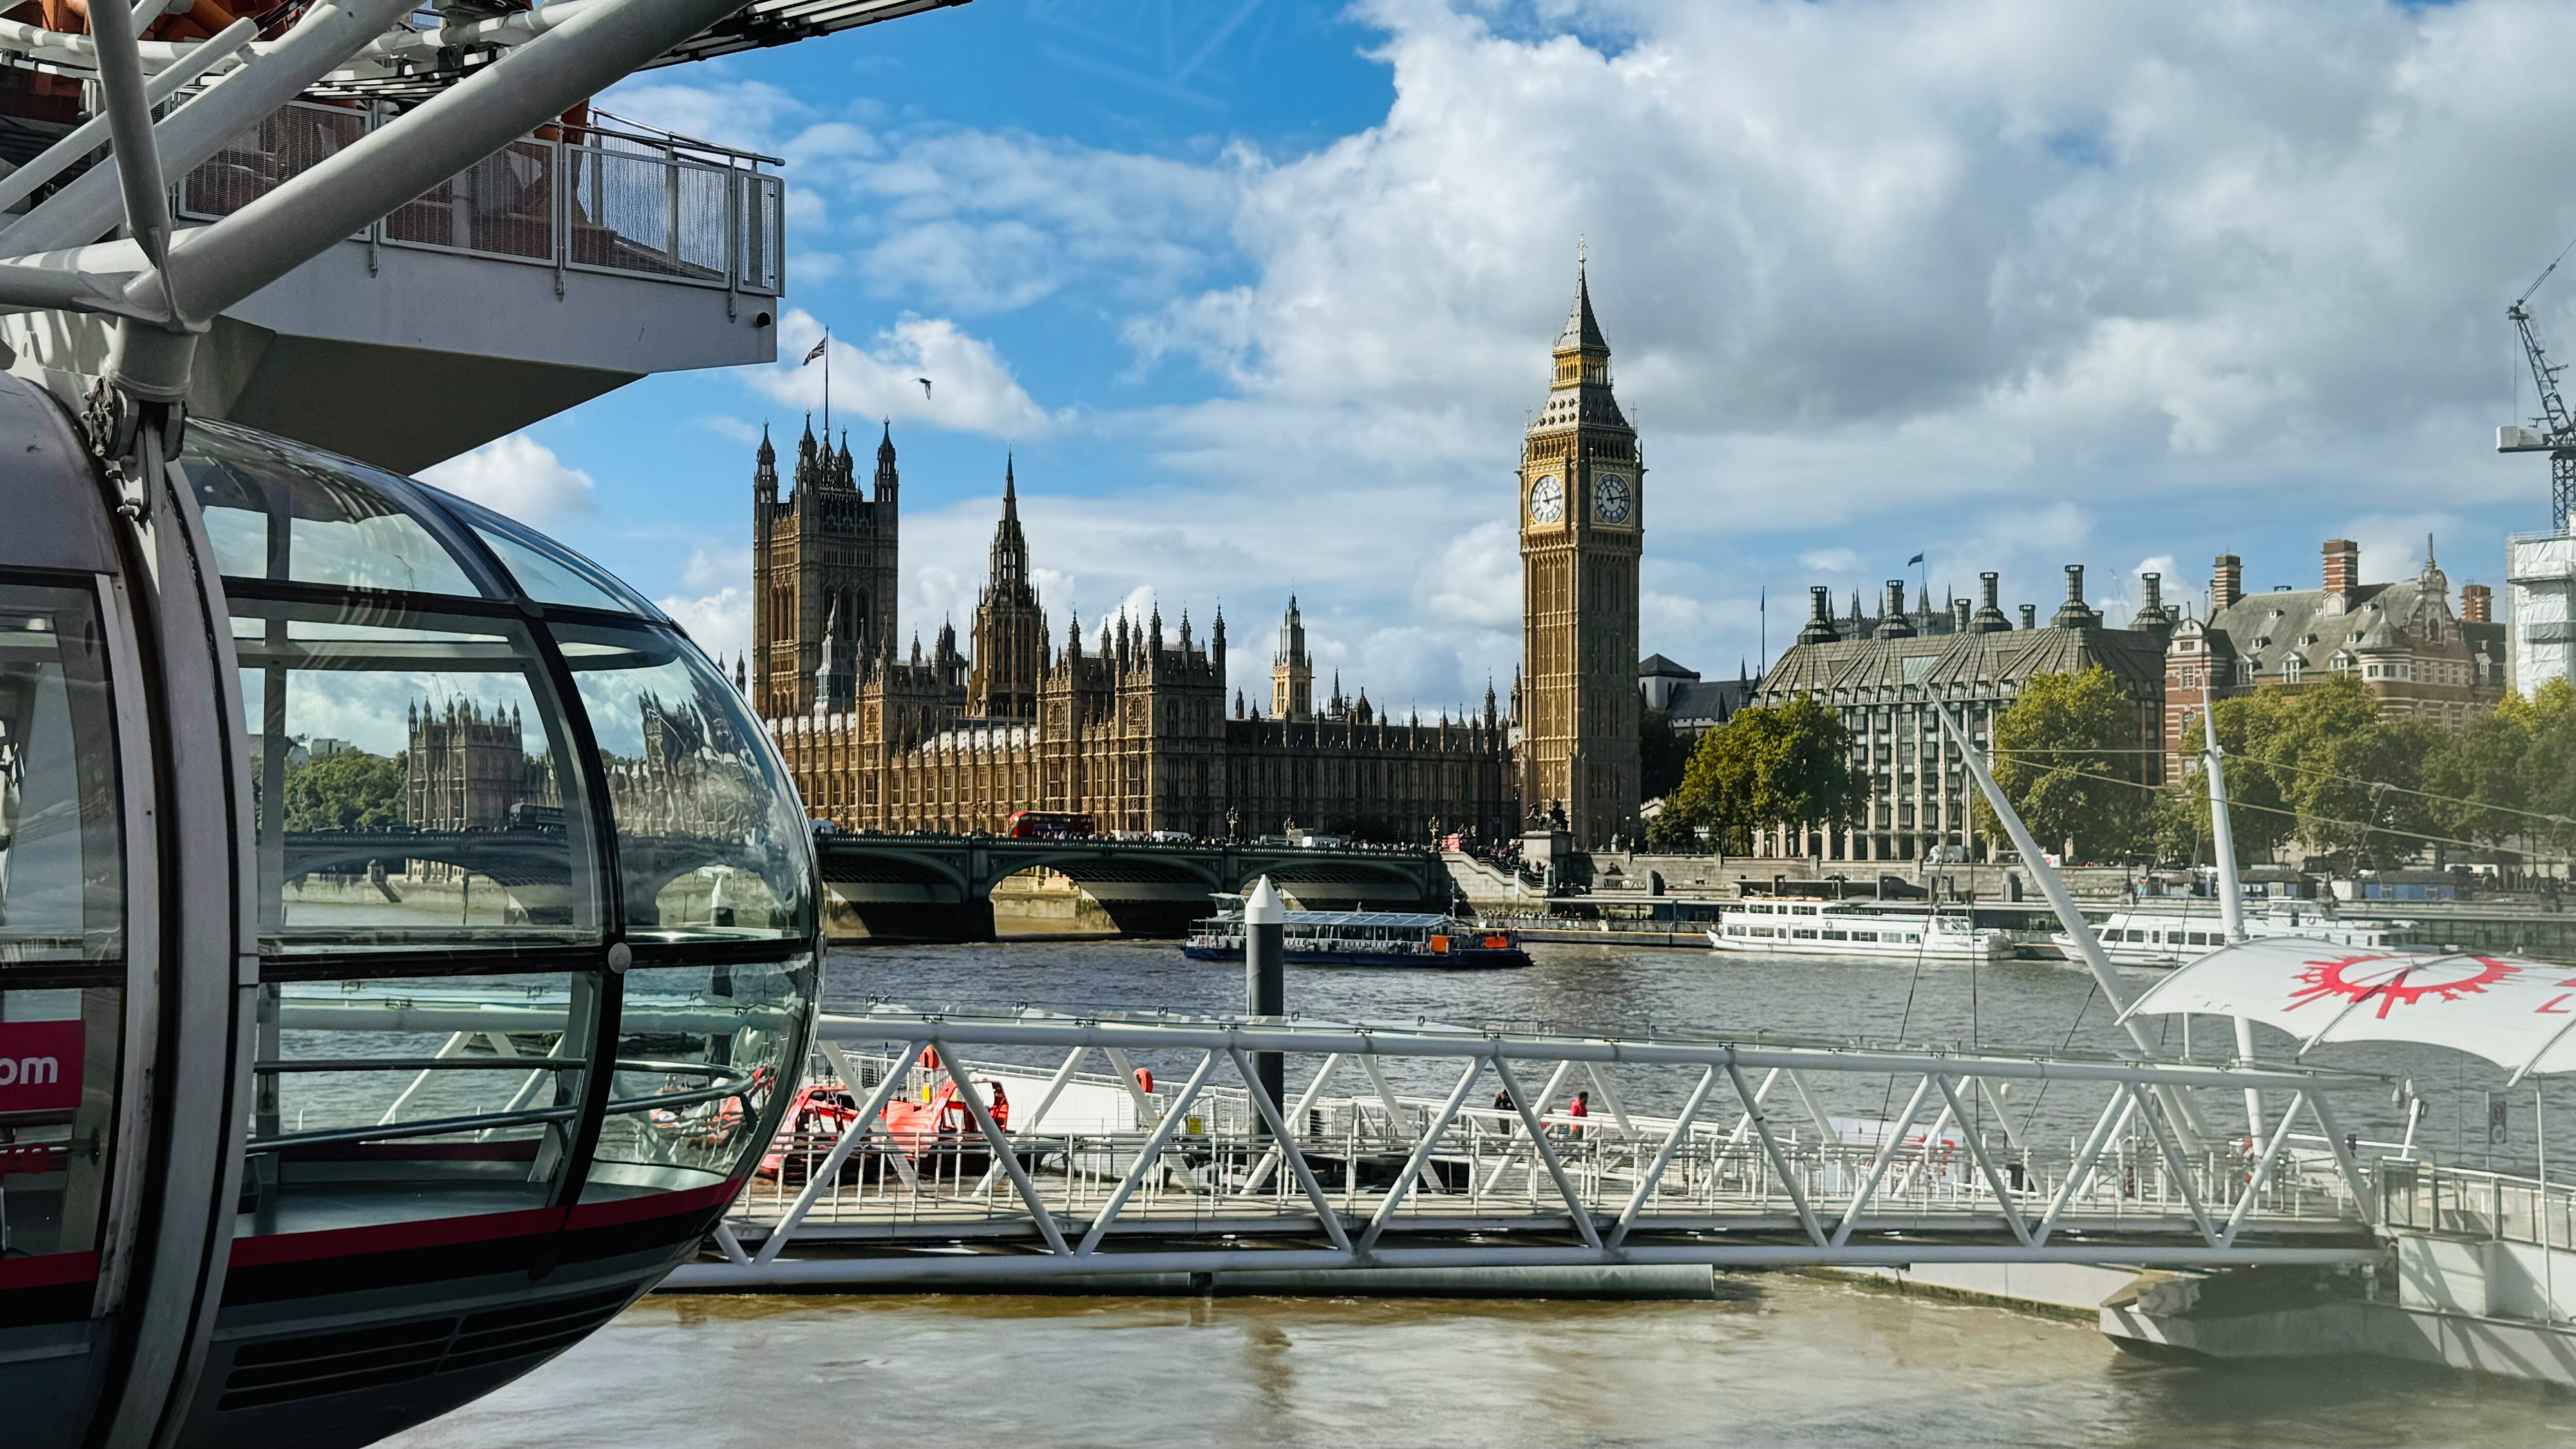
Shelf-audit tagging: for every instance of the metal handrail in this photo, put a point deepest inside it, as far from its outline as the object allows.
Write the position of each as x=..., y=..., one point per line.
x=746, y=189
x=731, y=1082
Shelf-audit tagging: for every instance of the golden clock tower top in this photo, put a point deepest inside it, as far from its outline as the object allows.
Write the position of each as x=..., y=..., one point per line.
x=1582, y=531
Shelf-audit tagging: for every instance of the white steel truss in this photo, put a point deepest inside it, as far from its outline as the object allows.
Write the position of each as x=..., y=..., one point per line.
x=1214, y=1175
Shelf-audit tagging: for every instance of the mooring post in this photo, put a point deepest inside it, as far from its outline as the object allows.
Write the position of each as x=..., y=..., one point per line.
x=1265, y=979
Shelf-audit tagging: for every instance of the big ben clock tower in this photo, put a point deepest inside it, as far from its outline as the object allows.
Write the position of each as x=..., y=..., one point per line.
x=1582, y=528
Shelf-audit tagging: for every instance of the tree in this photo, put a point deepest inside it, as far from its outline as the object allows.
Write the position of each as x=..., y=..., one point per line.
x=350, y=790
x=1788, y=763
x=2548, y=772
x=2065, y=754
x=2260, y=813
x=2476, y=775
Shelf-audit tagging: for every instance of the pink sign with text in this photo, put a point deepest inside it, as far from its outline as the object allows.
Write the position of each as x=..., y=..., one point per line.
x=40, y=1066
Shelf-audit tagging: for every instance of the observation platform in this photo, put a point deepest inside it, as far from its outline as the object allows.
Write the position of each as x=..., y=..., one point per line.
x=570, y=263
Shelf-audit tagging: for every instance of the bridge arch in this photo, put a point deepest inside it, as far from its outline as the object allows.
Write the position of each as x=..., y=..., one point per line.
x=1331, y=880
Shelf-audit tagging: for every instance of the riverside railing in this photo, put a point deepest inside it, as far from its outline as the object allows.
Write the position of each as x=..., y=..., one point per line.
x=2467, y=1202
x=574, y=198
x=986, y=1172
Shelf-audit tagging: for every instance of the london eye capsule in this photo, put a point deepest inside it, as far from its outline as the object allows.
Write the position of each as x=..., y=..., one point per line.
x=408, y=941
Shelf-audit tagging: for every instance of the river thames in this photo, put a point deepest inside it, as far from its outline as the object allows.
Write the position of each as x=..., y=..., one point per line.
x=1774, y=1359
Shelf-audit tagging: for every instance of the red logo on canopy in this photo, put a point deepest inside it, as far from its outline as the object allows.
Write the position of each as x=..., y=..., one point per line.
x=40, y=1066
x=2395, y=981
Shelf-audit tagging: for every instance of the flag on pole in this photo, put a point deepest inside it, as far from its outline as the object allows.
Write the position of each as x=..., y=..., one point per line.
x=1909, y=563
x=820, y=348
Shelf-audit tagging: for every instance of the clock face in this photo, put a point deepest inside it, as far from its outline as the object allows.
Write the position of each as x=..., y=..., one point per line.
x=1610, y=498
x=1547, y=500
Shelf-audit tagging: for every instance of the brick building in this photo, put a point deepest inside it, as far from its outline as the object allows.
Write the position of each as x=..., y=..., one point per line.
x=2400, y=639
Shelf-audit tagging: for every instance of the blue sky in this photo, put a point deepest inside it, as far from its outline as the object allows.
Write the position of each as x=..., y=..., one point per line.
x=1260, y=293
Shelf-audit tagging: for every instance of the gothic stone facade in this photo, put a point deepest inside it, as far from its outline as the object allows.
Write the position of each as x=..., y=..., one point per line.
x=1133, y=729
x=824, y=562
x=1890, y=683
x=2399, y=639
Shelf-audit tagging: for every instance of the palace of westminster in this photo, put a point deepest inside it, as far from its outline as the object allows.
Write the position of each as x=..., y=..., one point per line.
x=1139, y=728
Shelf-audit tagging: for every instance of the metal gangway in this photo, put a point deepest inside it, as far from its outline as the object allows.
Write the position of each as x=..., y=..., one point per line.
x=1092, y=1169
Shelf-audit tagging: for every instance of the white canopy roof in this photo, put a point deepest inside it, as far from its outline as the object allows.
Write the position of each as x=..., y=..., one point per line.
x=2512, y=1010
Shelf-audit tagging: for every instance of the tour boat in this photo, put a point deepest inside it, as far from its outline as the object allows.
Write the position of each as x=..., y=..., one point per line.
x=1793, y=927
x=2169, y=938
x=1366, y=938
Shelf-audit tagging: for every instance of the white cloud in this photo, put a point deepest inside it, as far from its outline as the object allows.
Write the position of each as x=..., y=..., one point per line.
x=519, y=476
x=964, y=220
x=1835, y=560
x=720, y=622
x=710, y=568
x=972, y=389
x=728, y=427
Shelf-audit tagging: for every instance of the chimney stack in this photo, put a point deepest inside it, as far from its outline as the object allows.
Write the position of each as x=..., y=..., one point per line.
x=2343, y=573
x=1990, y=616
x=1959, y=616
x=1894, y=625
x=2152, y=617
x=2226, y=582
x=2477, y=604
x=1820, y=620
x=2075, y=613
x=2030, y=616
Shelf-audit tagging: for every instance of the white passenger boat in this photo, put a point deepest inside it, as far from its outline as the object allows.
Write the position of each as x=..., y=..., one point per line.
x=2168, y=938
x=1831, y=928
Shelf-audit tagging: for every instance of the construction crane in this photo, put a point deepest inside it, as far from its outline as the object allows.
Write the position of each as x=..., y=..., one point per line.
x=2554, y=431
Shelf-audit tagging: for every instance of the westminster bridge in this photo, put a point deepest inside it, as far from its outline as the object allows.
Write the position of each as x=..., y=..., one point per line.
x=941, y=886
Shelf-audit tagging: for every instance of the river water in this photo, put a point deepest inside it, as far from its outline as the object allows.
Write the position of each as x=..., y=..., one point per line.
x=1779, y=1359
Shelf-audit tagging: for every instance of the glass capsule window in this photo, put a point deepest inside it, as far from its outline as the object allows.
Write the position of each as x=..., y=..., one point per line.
x=711, y=843
x=414, y=781
x=58, y=1070
x=61, y=892
x=702, y=1052
x=391, y=1099
x=545, y=570
x=476, y=758
x=281, y=512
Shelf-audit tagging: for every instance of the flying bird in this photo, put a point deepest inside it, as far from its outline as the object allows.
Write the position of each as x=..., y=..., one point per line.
x=925, y=388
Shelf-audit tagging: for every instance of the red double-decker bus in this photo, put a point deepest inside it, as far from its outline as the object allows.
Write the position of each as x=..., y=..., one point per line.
x=1047, y=825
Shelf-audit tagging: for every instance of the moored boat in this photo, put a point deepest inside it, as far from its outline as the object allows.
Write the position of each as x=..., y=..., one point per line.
x=1367, y=938
x=2169, y=938
x=1793, y=927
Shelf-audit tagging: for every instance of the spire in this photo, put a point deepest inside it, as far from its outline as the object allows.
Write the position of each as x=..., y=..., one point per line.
x=885, y=445
x=1010, y=553
x=767, y=455
x=1582, y=329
